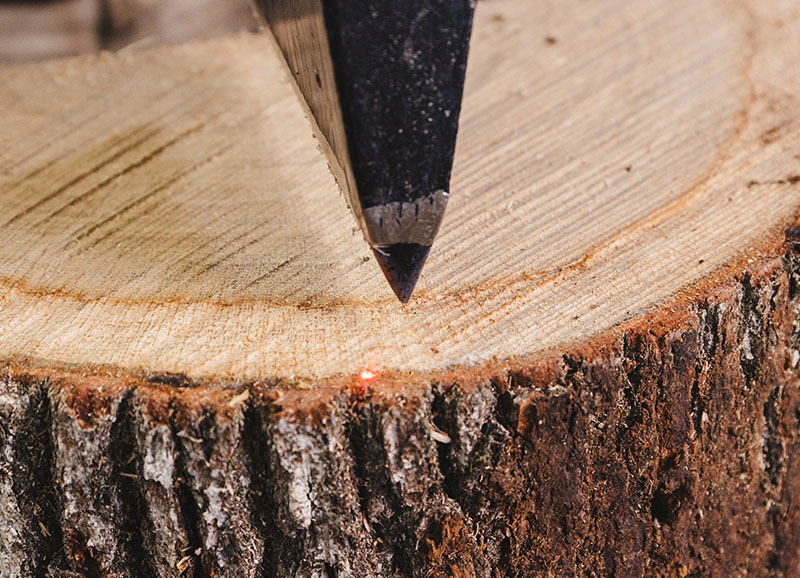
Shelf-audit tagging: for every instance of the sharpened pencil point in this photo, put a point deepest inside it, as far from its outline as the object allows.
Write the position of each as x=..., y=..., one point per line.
x=384, y=82
x=401, y=264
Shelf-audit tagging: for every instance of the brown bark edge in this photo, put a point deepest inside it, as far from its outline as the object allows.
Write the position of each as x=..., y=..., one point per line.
x=668, y=447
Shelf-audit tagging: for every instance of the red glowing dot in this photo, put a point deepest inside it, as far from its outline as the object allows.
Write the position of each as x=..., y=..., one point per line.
x=367, y=375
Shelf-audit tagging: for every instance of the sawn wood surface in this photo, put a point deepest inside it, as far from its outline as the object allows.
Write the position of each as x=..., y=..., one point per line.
x=168, y=209
x=597, y=376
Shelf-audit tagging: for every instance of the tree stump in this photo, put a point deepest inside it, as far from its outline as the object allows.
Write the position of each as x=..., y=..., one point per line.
x=205, y=375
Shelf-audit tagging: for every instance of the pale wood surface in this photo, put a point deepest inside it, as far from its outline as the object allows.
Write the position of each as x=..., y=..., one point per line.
x=168, y=208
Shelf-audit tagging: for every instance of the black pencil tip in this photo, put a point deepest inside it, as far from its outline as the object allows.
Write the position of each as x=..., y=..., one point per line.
x=402, y=263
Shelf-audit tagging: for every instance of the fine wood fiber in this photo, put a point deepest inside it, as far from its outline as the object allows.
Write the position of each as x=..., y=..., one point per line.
x=598, y=375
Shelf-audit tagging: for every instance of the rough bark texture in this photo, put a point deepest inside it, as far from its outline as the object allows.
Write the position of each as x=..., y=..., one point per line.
x=668, y=448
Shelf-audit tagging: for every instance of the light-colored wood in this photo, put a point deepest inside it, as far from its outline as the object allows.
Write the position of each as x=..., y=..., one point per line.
x=311, y=67
x=169, y=209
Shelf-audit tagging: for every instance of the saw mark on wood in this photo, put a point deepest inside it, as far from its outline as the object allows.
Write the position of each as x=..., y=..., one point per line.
x=152, y=154
x=225, y=247
x=140, y=136
x=270, y=272
x=719, y=55
x=78, y=115
x=162, y=187
x=208, y=267
x=599, y=251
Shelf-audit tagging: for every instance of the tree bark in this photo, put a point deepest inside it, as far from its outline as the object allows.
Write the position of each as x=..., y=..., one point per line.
x=598, y=375
x=668, y=447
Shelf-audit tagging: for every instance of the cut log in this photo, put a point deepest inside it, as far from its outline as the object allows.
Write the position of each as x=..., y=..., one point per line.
x=204, y=374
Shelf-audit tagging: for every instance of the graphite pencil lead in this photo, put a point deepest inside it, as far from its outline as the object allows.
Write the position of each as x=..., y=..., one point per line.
x=401, y=264
x=383, y=81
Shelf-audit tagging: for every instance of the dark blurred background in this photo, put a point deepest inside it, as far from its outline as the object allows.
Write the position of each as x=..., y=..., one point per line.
x=32, y=30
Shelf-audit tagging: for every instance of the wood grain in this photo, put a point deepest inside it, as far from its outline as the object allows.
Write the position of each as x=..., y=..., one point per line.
x=168, y=209
x=597, y=377
x=669, y=446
